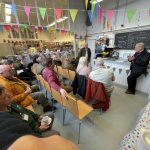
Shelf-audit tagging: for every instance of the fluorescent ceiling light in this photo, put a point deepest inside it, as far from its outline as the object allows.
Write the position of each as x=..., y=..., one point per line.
x=52, y=24
x=8, y=19
x=7, y=13
x=58, y=21
x=7, y=9
x=96, y=1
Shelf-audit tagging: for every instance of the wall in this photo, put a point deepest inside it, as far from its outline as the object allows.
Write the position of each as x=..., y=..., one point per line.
x=78, y=26
x=140, y=20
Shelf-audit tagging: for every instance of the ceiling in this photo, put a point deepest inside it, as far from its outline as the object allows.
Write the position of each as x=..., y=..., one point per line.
x=33, y=18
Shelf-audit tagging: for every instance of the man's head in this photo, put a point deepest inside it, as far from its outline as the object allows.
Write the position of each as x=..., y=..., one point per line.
x=139, y=47
x=6, y=71
x=99, y=62
x=86, y=45
x=49, y=63
x=5, y=99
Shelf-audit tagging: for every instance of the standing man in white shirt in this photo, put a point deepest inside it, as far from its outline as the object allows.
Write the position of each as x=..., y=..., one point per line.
x=85, y=51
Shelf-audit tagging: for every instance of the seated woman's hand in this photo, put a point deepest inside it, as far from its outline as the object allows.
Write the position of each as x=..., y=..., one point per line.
x=43, y=127
x=63, y=93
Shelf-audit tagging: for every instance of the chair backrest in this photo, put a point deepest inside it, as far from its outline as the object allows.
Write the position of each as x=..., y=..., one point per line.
x=47, y=87
x=71, y=75
x=71, y=105
x=57, y=96
x=60, y=70
x=41, y=79
x=33, y=70
x=55, y=69
x=66, y=73
x=30, y=107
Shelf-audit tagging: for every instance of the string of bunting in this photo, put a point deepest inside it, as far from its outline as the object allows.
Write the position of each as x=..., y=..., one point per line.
x=96, y=11
x=103, y=16
x=40, y=29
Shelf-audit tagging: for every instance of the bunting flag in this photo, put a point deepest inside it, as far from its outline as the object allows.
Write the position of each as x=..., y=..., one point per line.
x=33, y=28
x=23, y=27
x=127, y=71
x=104, y=22
x=107, y=24
x=62, y=32
x=100, y=15
x=16, y=28
x=114, y=69
x=120, y=70
x=1, y=28
x=27, y=10
x=146, y=74
x=73, y=14
x=44, y=29
x=42, y=12
x=13, y=9
x=7, y=27
x=97, y=6
x=130, y=14
x=49, y=30
x=0, y=7
x=75, y=35
x=86, y=3
x=57, y=30
x=90, y=15
x=93, y=6
x=58, y=13
x=39, y=29
x=110, y=13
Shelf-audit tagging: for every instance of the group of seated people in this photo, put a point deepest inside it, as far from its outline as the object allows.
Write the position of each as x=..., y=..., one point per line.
x=98, y=74
x=16, y=95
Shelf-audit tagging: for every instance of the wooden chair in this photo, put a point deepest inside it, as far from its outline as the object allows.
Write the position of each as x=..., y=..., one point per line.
x=47, y=88
x=57, y=96
x=78, y=108
x=71, y=75
x=41, y=79
x=60, y=70
x=55, y=69
x=33, y=70
x=66, y=73
x=30, y=107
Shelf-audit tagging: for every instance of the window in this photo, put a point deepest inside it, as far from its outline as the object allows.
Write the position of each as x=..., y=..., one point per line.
x=7, y=13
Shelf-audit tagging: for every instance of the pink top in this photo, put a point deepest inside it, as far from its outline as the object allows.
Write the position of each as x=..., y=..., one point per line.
x=51, y=78
x=84, y=71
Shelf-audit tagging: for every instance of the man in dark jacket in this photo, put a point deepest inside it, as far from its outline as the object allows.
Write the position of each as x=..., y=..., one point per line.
x=85, y=51
x=139, y=62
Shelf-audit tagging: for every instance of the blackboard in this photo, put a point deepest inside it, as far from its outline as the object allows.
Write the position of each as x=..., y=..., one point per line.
x=128, y=40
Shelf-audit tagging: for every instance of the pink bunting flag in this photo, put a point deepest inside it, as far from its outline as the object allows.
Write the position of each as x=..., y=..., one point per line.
x=16, y=28
x=33, y=28
x=110, y=13
x=27, y=10
x=100, y=15
x=58, y=13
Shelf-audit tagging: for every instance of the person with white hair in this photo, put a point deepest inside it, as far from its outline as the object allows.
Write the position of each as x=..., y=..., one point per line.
x=82, y=68
x=86, y=52
x=139, y=62
x=103, y=75
x=22, y=93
